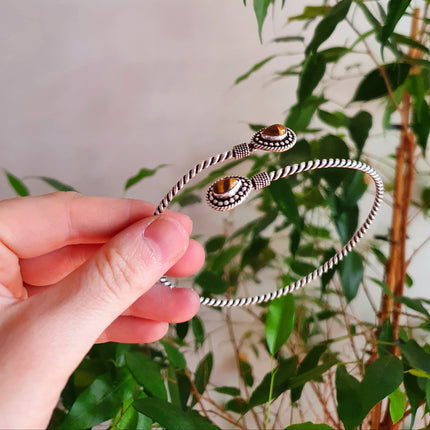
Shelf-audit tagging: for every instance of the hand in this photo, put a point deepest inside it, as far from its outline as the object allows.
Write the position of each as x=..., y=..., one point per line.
x=76, y=270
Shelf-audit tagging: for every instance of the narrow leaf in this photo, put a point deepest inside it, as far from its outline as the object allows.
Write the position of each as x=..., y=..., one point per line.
x=351, y=274
x=260, y=9
x=17, y=185
x=396, y=9
x=57, y=185
x=143, y=173
x=253, y=69
x=328, y=24
x=203, y=372
x=198, y=330
x=279, y=322
x=175, y=356
x=312, y=73
x=308, y=426
x=348, y=399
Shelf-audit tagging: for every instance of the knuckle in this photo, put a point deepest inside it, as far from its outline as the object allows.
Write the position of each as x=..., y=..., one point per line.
x=115, y=272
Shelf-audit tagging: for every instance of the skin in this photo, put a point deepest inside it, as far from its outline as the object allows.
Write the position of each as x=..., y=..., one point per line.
x=74, y=271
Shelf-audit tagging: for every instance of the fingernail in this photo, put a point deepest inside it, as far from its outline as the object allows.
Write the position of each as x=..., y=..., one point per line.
x=168, y=237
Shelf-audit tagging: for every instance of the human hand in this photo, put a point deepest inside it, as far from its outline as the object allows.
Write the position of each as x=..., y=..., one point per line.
x=75, y=270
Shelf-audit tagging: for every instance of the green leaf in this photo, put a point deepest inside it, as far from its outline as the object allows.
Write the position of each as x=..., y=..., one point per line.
x=175, y=356
x=351, y=274
x=57, y=185
x=397, y=405
x=281, y=375
x=225, y=257
x=328, y=24
x=257, y=254
x=373, y=85
x=312, y=374
x=143, y=173
x=421, y=124
x=415, y=304
x=17, y=185
x=300, y=114
x=171, y=417
x=253, y=69
x=308, y=363
x=334, y=54
x=349, y=406
x=359, y=127
x=260, y=9
x=246, y=372
x=215, y=243
x=98, y=403
x=198, y=330
x=211, y=283
x=415, y=355
x=301, y=268
x=288, y=39
x=128, y=418
x=356, y=399
x=416, y=396
x=230, y=391
x=353, y=189
x=308, y=426
x=335, y=119
x=382, y=377
x=182, y=329
x=279, y=322
x=203, y=372
x=312, y=73
x=408, y=41
x=147, y=373
x=310, y=12
x=238, y=405
x=396, y=9
x=285, y=200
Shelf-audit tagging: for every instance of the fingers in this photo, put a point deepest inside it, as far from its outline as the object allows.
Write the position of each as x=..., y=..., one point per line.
x=162, y=303
x=33, y=226
x=51, y=268
x=133, y=330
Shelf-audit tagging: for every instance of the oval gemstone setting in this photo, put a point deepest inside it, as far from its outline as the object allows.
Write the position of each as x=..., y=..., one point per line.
x=274, y=132
x=226, y=187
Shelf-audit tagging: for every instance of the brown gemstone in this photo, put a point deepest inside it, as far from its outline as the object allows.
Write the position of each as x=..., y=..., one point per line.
x=274, y=132
x=224, y=186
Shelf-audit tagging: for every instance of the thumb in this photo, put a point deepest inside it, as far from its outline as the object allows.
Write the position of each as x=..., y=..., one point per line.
x=124, y=269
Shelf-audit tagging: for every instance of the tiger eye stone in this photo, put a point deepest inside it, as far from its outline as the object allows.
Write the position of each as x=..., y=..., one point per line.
x=274, y=132
x=224, y=186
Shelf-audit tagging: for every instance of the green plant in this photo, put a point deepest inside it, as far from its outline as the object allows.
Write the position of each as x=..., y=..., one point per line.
x=319, y=354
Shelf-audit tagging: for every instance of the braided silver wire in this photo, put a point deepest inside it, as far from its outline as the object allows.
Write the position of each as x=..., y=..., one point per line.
x=198, y=168
x=329, y=264
x=264, y=179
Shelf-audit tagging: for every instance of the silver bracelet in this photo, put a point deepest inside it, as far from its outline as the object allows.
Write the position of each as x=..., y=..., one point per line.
x=230, y=191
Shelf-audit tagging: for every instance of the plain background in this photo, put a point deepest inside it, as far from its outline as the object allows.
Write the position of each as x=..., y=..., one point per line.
x=91, y=91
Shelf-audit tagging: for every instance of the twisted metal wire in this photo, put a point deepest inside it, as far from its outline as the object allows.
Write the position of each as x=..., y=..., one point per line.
x=198, y=168
x=329, y=264
x=273, y=176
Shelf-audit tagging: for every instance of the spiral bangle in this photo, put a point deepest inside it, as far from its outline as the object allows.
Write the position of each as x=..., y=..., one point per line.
x=230, y=191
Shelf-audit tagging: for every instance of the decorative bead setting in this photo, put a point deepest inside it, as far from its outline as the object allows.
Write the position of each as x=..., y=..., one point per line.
x=275, y=138
x=228, y=192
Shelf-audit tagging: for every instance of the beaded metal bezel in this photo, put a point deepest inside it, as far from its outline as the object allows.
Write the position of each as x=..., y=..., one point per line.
x=281, y=145
x=229, y=201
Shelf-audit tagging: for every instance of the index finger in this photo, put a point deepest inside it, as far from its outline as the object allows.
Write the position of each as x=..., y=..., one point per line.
x=33, y=226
